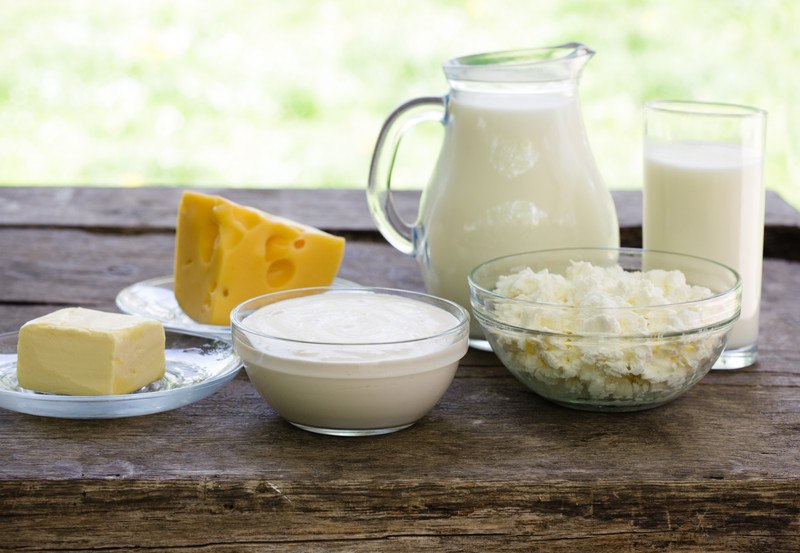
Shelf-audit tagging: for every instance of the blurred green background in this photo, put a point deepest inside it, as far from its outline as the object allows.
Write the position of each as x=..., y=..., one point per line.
x=293, y=94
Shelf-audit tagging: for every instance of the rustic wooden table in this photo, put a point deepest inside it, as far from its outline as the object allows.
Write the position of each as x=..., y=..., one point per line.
x=493, y=467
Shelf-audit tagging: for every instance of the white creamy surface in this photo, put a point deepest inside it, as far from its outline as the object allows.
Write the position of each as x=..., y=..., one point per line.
x=353, y=326
x=606, y=367
x=350, y=318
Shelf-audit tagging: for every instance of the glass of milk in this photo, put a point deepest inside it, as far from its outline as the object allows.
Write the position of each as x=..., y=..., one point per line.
x=704, y=196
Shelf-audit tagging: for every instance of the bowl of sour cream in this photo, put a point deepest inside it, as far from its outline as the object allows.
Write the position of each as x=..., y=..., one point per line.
x=350, y=361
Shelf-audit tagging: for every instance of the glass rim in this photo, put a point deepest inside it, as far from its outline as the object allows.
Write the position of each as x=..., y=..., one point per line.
x=459, y=313
x=725, y=298
x=713, y=298
x=545, y=64
x=524, y=57
x=704, y=109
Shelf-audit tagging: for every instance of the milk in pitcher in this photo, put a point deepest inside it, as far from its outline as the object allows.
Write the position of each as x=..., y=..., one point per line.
x=515, y=173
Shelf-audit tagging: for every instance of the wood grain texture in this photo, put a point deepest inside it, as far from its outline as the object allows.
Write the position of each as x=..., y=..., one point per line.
x=76, y=266
x=487, y=426
x=257, y=514
x=492, y=468
x=152, y=208
x=146, y=210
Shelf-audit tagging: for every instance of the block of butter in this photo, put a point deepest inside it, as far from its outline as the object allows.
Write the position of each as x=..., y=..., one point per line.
x=76, y=351
x=226, y=253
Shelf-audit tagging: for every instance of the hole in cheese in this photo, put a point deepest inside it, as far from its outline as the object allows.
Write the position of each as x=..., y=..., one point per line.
x=299, y=243
x=280, y=272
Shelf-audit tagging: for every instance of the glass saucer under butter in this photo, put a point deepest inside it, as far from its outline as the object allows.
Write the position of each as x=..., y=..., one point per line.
x=197, y=366
x=155, y=299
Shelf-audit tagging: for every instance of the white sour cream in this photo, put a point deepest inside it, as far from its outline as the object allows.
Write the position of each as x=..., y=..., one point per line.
x=352, y=362
x=350, y=318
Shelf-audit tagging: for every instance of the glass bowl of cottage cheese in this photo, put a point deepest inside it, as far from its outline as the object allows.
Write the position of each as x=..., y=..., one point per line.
x=606, y=329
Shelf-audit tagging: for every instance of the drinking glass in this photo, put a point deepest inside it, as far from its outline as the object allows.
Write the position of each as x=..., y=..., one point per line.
x=704, y=196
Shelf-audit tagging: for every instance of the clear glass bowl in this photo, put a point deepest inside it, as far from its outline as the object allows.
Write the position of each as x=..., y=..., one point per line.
x=580, y=357
x=364, y=387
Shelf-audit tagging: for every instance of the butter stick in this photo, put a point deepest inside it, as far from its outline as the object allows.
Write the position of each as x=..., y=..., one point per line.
x=76, y=351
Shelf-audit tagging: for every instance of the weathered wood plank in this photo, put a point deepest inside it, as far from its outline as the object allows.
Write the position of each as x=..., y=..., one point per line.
x=72, y=266
x=486, y=427
x=340, y=211
x=258, y=514
x=156, y=207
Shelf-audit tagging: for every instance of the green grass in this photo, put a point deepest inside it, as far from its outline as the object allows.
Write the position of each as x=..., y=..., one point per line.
x=266, y=93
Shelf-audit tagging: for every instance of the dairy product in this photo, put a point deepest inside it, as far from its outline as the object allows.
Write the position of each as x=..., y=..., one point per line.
x=515, y=174
x=353, y=318
x=77, y=351
x=226, y=253
x=351, y=359
x=707, y=199
x=600, y=339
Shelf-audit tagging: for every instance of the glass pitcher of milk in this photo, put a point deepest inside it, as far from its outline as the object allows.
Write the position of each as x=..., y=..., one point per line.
x=515, y=171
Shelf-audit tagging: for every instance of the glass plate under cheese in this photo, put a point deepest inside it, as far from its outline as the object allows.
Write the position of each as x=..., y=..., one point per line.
x=155, y=299
x=196, y=367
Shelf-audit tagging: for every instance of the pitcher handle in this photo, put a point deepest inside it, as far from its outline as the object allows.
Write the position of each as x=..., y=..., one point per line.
x=379, y=193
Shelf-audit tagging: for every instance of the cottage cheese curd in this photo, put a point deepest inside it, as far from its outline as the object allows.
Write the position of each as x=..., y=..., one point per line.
x=601, y=338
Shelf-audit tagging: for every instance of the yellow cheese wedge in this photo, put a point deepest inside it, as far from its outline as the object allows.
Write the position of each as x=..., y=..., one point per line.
x=77, y=351
x=227, y=253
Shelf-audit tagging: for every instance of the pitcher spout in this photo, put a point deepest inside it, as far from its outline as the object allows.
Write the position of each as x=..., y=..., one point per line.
x=563, y=62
